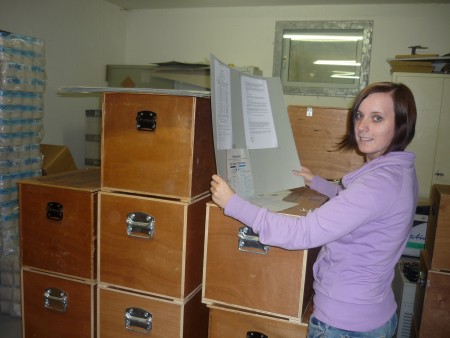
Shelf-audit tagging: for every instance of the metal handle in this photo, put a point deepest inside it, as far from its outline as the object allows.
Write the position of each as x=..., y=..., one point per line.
x=433, y=210
x=255, y=334
x=56, y=299
x=55, y=211
x=439, y=173
x=422, y=280
x=146, y=120
x=248, y=241
x=138, y=320
x=140, y=224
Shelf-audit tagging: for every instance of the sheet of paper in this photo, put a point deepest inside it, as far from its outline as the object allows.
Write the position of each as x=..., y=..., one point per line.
x=258, y=119
x=239, y=172
x=224, y=123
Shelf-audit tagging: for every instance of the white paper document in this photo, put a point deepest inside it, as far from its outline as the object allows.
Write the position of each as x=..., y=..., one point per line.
x=258, y=119
x=224, y=125
x=239, y=172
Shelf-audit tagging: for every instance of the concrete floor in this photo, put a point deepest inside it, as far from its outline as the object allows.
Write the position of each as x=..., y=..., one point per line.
x=10, y=327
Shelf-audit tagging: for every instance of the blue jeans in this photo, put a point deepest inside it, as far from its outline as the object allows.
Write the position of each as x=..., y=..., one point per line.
x=318, y=329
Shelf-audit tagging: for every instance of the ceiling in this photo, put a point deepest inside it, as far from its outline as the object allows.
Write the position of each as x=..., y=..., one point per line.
x=158, y=4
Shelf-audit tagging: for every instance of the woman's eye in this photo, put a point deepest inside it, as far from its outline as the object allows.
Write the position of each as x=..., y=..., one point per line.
x=358, y=116
x=377, y=118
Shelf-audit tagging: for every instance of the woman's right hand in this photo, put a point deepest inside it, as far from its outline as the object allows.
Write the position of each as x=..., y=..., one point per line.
x=305, y=173
x=221, y=192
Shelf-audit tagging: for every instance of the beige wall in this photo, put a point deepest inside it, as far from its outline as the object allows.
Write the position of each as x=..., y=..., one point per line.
x=81, y=37
x=244, y=36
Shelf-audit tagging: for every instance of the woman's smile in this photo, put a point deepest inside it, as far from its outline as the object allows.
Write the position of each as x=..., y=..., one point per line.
x=375, y=124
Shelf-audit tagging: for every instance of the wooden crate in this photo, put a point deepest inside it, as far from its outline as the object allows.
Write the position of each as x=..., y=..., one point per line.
x=317, y=131
x=432, y=302
x=437, y=240
x=161, y=318
x=58, y=222
x=229, y=322
x=57, y=306
x=278, y=282
x=167, y=262
x=174, y=160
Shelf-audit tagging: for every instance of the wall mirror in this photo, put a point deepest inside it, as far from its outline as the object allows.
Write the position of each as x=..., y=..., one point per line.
x=329, y=58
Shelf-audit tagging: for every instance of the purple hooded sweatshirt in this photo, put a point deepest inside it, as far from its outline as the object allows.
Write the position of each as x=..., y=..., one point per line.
x=362, y=229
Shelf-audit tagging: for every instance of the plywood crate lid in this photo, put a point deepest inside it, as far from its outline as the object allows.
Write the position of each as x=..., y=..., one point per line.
x=317, y=131
x=80, y=179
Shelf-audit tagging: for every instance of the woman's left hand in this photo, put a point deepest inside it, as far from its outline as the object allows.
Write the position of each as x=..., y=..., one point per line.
x=221, y=192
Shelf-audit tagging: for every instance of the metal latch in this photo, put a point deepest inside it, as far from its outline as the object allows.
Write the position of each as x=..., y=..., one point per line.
x=55, y=211
x=56, y=299
x=138, y=320
x=439, y=173
x=255, y=334
x=146, y=120
x=140, y=224
x=248, y=241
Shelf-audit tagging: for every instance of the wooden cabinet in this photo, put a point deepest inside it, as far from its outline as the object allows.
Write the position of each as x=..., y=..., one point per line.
x=432, y=139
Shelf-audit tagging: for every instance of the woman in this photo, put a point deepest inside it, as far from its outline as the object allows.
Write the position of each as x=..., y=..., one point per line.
x=364, y=226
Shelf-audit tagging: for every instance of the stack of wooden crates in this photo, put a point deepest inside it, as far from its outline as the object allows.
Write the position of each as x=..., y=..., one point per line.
x=58, y=233
x=255, y=291
x=133, y=244
x=432, y=305
x=157, y=163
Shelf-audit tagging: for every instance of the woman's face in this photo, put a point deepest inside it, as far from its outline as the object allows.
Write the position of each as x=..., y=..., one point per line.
x=375, y=124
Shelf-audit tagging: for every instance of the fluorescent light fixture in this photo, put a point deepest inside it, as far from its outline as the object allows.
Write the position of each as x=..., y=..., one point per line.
x=338, y=63
x=344, y=75
x=319, y=37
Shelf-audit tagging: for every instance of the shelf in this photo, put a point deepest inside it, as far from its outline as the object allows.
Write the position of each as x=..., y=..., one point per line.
x=432, y=59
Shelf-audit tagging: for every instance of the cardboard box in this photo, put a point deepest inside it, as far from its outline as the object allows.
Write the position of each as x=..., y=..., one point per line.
x=56, y=159
x=416, y=240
